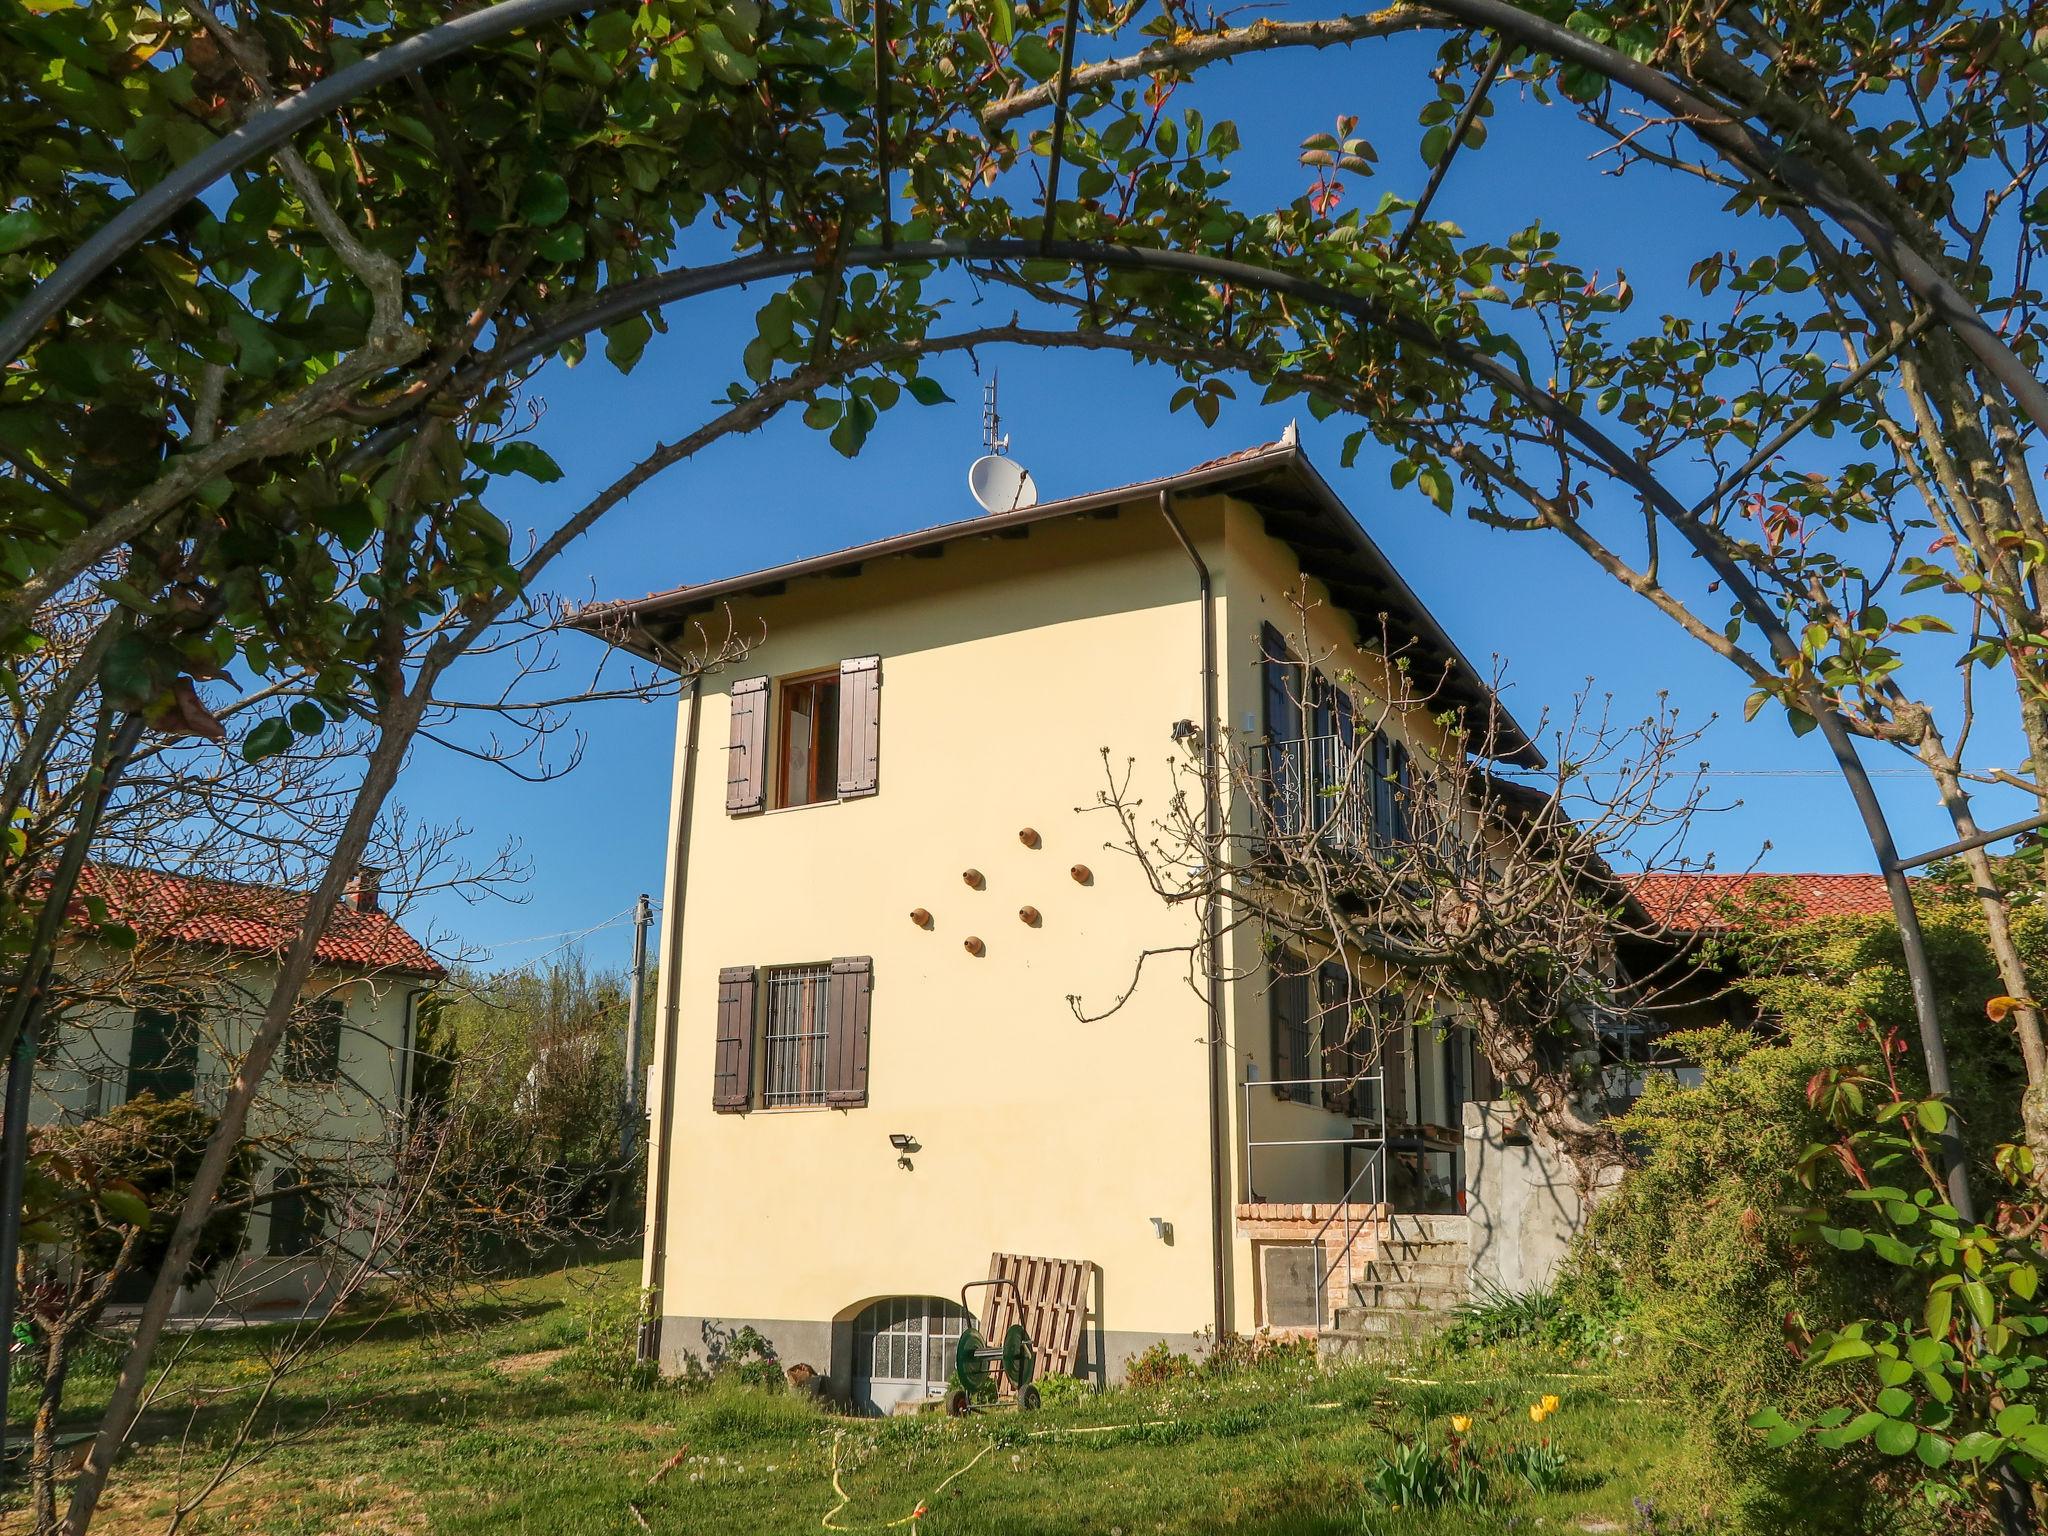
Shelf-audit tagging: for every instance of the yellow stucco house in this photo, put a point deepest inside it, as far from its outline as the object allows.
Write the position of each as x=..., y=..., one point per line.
x=171, y=1015
x=884, y=889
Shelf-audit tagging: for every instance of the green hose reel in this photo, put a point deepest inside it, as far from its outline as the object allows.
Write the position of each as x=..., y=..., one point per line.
x=975, y=1360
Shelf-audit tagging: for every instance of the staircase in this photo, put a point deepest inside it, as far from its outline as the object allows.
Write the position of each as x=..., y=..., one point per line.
x=1408, y=1290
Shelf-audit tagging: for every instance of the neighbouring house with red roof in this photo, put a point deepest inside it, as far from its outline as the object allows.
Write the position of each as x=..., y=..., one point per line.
x=172, y=1012
x=1688, y=977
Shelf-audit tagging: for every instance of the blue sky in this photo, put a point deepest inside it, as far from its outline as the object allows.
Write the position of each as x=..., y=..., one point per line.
x=594, y=838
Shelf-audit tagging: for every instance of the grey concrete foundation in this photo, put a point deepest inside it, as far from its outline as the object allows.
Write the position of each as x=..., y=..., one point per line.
x=700, y=1343
x=1523, y=1199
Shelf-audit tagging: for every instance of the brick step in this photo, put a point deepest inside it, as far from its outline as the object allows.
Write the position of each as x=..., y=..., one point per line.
x=1429, y=1253
x=1387, y=1322
x=1430, y=1229
x=1334, y=1348
x=1395, y=1271
x=1406, y=1296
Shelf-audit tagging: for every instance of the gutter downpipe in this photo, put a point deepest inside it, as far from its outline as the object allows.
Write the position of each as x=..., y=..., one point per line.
x=648, y=1345
x=1212, y=917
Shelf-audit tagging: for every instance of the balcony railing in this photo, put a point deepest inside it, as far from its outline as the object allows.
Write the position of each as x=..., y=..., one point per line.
x=1326, y=785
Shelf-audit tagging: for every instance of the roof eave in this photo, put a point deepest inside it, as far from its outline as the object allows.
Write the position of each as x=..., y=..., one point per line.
x=622, y=622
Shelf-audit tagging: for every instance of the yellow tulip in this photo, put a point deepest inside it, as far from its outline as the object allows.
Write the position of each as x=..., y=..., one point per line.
x=1537, y=1413
x=1461, y=1422
x=1550, y=1405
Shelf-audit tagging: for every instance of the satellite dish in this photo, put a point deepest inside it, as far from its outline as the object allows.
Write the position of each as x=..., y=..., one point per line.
x=1000, y=484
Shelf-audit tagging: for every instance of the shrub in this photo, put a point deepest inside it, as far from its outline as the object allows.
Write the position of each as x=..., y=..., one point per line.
x=1947, y=1378
x=606, y=1347
x=1586, y=1318
x=1234, y=1353
x=1054, y=1390
x=1702, y=1236
x=1156, y=1366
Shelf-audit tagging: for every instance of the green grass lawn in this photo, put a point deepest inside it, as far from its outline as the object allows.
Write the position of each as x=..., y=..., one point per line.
x=477, y=1428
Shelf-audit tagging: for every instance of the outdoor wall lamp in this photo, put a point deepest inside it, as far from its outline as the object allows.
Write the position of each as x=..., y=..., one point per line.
x=1187, y=732
x=1163, y=1230
x=902, y=1142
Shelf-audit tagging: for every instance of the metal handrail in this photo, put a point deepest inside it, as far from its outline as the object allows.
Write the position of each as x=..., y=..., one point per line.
x=1323, y=1272
x=1371, y=1171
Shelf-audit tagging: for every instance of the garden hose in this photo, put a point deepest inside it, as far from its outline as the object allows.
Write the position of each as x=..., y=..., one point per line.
x=911, y=1519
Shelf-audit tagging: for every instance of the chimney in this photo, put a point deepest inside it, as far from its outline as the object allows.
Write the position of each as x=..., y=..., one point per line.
x=363, y=888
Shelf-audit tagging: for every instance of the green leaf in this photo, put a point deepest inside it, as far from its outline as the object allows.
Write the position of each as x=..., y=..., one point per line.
x=129, y=677
x=1975, y=1446
x=1002, y=21
x=307, y=718
x=22, y=227
x=927, y=392
x=1933, y=1116
x=1894, y=1373
x=1895, y=1437
x=1941, y=1306
x=562, y=243
x=1894, y=1401
x=1035, y=56
x=1436, y=485
x=267, y=740
x=2024, y=1280
x=2016, y=1417
x=1844, y=1349
x=624, y=342
x=1932, y=1450
x=125, y=1206
x=1977, y=1297
x=524, y=458
x=544, y=199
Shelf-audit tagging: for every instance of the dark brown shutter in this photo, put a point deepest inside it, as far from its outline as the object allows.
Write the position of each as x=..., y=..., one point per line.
x=1394, y=1061
x=732, y=1071
x=1333, y=1033
x=846, y=1032
x=860, y=725
x=746, y=767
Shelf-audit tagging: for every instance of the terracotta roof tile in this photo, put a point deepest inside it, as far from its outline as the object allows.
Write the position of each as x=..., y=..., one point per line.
x=1690, y=903
x=257, y=919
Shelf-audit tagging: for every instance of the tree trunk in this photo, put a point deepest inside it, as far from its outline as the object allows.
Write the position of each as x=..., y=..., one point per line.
x=2012, y=970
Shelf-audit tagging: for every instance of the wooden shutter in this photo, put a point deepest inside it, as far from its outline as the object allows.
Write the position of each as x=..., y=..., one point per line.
x=846, y=1032
x=1292, y=1013
x=746, y=766
x=860, y=725
x=1333, y=1034
x=732, y=1071
x=1394, y=1032
x=1403, y=778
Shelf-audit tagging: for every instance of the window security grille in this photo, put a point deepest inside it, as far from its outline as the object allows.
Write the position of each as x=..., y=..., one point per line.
x=794, y=1037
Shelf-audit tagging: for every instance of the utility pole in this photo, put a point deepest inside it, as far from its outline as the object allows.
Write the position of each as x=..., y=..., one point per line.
x=629, y=1128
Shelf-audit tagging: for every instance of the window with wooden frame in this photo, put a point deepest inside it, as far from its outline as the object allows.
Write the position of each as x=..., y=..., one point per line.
x=807, y=740
x=1347, y=1028
x=1292, y=1014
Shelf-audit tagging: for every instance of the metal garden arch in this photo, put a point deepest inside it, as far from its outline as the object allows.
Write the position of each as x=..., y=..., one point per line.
x=275, y=124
